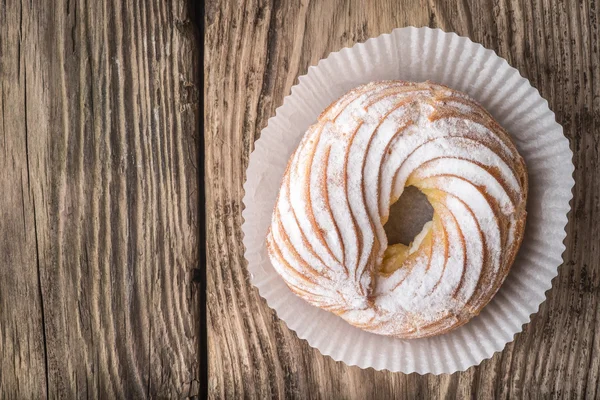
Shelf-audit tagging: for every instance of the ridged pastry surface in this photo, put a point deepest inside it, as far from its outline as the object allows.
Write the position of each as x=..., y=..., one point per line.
x=327, y=239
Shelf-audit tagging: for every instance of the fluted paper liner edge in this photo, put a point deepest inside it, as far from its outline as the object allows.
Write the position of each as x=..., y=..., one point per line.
x=419, y=54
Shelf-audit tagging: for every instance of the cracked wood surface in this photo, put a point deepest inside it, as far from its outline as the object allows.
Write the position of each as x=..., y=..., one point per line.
x=99, y=118
x=255, y=50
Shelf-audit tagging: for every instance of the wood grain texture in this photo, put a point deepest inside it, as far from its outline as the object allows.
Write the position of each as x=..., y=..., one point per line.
x=98, y=209
x=255, y=50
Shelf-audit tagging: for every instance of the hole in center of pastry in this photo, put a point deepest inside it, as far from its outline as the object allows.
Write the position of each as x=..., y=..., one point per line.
x=407, y=216
x=407, y=227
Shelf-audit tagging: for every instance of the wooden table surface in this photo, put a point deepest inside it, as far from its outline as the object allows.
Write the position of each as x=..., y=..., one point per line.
x=254, y=53
x=99, y=129
x=101, y=177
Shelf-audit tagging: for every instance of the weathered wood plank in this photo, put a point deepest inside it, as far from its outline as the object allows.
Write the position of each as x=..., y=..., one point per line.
x=255, y=50
x=98, y=229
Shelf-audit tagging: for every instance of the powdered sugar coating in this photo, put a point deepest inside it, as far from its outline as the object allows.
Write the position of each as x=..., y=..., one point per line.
x=327, y=239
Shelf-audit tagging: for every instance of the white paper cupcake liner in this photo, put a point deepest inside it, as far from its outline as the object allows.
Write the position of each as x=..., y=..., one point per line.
x=417, y=55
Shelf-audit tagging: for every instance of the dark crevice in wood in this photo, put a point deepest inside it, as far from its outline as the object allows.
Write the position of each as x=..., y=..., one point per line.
x=35, y=230
x=20, y=40
x=23, y=206
x=432, y=22
x=41, y=297
x=26, y=130
x=3, y=114
x=73, y=28
x=269, y=73
x=199, y=274
x=149, y=371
